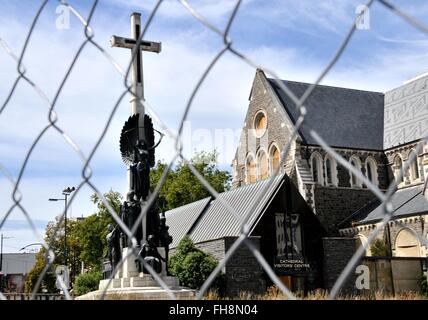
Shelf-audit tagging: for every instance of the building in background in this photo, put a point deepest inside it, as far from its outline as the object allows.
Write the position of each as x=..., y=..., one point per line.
x=15, y=268
x=376, y=132
x=281, y=226
x=316, y=211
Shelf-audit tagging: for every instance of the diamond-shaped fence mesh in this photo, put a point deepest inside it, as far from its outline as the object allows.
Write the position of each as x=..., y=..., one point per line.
x=86, y=172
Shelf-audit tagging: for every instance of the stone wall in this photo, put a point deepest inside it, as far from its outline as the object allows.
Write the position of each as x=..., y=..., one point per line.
x=394, y=275
x=406, y=113
x=215, y=247
x=242, y=272
x=278, y=130
x=337, y=253
x=343, y=175
x=333, y=205
x=418, y=224
x=403, y=151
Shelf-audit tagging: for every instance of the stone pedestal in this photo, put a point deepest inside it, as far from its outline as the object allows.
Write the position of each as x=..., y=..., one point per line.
x=129, y=267
x=130, y=284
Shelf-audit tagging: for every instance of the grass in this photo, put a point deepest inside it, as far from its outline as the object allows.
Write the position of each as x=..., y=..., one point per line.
x=273, y=293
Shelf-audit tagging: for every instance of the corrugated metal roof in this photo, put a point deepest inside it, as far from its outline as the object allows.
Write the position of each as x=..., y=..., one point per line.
x=181, y=219
x=407, y=201
x=218, y=222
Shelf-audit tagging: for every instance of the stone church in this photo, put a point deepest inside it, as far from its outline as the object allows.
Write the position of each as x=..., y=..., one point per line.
x=376, y=132
x=315, y=209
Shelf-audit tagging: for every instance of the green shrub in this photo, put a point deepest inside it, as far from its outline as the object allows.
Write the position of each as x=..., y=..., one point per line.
x=87, y=282
x=424, y=286
x=191, y=265
x=379, y=248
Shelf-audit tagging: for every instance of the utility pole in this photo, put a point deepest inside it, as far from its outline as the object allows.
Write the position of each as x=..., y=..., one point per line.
x=1, y=259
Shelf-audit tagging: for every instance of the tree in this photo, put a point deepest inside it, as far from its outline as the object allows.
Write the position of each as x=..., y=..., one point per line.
x=379, y=248
x=85, y=242
x=49, y=280
x=54, y=237
x=182, y=186
x=191, y=265
x=92, y=230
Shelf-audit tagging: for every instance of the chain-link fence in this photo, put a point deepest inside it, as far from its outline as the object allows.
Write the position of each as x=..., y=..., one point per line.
x=86, y=172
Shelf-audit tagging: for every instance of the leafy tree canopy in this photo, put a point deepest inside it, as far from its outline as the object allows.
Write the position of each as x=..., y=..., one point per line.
x=182, y=186
x=48, y=282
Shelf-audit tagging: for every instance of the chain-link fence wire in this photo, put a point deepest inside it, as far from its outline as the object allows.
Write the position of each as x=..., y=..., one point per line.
x=86, y=172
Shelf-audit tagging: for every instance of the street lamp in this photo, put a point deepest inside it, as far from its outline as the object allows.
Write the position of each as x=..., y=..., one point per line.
x=66, y=192
x=31, y=244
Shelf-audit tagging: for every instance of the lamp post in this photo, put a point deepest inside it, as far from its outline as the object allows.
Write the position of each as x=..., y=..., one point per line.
x=31, y=244
x=66, y=192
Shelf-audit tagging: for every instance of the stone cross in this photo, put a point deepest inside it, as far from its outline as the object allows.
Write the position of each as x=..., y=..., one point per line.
x=137, y=65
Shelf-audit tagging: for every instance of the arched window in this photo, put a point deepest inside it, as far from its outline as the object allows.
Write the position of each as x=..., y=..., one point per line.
x=275, y=157
x=398, y=169
x=355, y=162
x=317, y=168
x=262, y=164
x=414, y=167
x=330, y=171
x=371, y=170
x=407, y=244
x=250, y=168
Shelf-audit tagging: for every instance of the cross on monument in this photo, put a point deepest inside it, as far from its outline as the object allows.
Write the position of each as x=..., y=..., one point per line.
x=136, y=172
x=137, y=64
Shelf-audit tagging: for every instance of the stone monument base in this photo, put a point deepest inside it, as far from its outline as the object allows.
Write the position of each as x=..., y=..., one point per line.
x=130, y=284
x=141, y=293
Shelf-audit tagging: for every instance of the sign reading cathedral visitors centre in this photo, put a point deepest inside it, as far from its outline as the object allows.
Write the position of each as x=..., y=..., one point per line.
x=283, y=265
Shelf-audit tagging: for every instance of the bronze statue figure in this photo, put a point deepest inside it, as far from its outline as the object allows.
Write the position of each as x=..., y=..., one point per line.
x=150, y=255
x=113, y=246
x=138, y=152
x=129, y=213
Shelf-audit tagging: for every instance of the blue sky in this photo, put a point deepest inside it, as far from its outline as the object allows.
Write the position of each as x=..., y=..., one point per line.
x=294, y=38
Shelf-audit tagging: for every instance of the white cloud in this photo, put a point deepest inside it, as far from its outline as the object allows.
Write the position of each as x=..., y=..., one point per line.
x=94, y=86
x=211, y=10
x=307, y=16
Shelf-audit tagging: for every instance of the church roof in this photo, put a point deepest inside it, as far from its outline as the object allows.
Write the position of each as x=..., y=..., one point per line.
x=217, y=222
x=406, y=202
x=181, y=219
x=343, y=117
x=208, y=219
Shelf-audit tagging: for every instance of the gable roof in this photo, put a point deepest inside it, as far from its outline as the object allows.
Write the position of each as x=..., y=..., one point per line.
x=218, y=222
x=181, y=219
x=343, y=117
x=208, y=219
